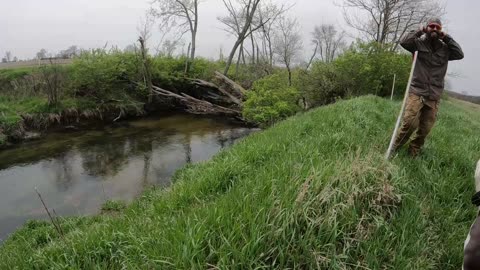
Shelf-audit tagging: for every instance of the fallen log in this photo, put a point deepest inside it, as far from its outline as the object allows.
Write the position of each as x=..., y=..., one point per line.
x=235, y=88
x=198, y=106
x=202, y=83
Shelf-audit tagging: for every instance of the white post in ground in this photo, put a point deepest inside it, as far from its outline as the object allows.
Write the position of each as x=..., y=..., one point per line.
x=397, y=125
x=393, y=85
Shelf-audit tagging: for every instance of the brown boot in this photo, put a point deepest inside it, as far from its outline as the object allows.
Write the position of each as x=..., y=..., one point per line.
x=413, y=151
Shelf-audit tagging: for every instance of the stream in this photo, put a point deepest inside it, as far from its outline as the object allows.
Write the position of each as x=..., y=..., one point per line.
x=77, y=172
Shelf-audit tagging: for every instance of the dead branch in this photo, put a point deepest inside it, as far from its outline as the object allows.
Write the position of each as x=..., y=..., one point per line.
x=57, y=226
x=202, y=83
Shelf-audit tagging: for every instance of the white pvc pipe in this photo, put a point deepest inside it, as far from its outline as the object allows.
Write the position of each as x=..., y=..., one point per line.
x=399, y=119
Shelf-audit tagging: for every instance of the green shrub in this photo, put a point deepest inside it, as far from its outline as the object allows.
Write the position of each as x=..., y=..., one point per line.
x=322, y=84
x=106, y=75
x=369, y=69
x=204, y=69
x=249, y=73
x=361, y=70
x=169, y=67
x=270, y=100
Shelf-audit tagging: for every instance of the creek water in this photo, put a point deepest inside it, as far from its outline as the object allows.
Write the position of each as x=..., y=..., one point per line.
x=77, y=172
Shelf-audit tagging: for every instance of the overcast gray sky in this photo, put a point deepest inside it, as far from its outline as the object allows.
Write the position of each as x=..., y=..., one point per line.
x=26, y=26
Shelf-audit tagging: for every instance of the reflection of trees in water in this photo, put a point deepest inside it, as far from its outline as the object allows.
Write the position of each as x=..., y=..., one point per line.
x=227, y=137
x=221, y=140
x=187, y=146
x=62, y=170
x=108, y=157
x=147, y=148
x=168, y=159
x=105, y=158
x=147, y=159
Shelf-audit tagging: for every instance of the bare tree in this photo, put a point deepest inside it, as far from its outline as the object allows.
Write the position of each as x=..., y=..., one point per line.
x=268, y=15
x=145, y=30
x=53, y=77
x=70, y=52
x=146, y=70
x=168, y=47
x=385, y=21
x=41, y=54
x=240, y=23
x=131, y=48
x=144, y=27
x=287, y=43
x=8, y=56
x=328, y=41
x=180, y=13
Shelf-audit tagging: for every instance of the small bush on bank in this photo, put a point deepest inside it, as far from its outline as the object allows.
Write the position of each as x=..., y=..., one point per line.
x=361, y=70
x=369, y=69
x=321, y=84
x=270, y=100
x=106, y=75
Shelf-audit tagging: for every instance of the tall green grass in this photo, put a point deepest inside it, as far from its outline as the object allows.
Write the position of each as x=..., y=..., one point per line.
x=312, y=192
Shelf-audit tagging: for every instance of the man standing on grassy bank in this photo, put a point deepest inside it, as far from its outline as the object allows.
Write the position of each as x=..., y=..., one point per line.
x=435, y=48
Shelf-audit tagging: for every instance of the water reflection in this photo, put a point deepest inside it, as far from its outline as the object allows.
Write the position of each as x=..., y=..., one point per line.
x=62, y=170
x=77, y=172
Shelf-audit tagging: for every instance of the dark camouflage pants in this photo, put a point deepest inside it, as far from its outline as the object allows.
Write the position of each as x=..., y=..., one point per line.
x=420, y=115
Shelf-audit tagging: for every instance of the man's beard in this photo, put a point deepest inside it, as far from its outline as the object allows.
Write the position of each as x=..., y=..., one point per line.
x=434, y=35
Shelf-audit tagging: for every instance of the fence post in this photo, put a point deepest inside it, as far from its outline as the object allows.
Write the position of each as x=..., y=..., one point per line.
x=393, y=85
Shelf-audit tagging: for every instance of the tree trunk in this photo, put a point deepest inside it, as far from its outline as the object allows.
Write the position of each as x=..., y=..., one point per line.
x=258, y=54
x=244, y=33
x=242, y=51
x=187, y=61
x=194, y=35
x=289, y=75
x=192, y=51
x=146, y=69
x=270, y=53
x=238, y=60
x=313, y=56
x=230, y=57
x=253, y=47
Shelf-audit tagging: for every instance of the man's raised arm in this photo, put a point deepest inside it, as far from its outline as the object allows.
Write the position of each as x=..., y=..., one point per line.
x=408, y=40
x=455, y=50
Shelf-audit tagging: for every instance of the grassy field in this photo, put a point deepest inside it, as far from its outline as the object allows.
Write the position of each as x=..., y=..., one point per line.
x=312, y=192
x=34, y=63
